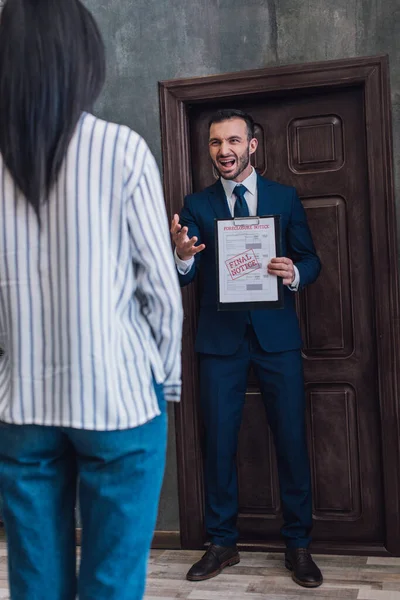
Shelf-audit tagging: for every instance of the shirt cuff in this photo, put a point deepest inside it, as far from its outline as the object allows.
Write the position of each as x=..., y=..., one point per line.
x=294, y=286
x=172, y=392
x=183, y=266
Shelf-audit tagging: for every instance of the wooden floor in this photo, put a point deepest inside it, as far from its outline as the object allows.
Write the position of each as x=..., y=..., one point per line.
x=261, y=577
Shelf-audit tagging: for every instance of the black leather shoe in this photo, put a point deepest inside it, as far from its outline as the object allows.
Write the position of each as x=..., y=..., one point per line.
x=213, y=561
x=304, y=570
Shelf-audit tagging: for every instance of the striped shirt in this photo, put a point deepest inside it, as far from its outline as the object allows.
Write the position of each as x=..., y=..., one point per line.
x=90, y=305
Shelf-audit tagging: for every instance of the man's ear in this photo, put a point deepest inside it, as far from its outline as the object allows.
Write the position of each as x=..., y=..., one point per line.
x=253, y=145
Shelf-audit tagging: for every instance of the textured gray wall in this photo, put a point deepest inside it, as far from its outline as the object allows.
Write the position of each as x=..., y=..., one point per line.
x=151, y=40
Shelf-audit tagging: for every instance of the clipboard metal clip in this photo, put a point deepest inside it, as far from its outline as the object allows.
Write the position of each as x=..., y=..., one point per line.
x=247, y=220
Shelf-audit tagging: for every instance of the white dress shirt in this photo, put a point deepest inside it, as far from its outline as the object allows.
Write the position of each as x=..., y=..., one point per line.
x=90, y=304
x=251, y=196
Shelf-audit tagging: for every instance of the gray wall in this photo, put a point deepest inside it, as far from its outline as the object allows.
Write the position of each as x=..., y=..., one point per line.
x=151, y=40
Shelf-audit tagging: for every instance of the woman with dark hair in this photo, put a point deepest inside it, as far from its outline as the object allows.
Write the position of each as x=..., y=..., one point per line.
x=90, y=316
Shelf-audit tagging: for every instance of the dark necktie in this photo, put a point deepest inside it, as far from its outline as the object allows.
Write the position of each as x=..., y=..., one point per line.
x=241, y=208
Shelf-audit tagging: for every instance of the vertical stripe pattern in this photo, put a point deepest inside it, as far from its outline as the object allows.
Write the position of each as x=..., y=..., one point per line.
x=90, y=305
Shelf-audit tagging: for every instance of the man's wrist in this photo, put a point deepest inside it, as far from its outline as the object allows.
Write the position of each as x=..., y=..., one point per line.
x=181, y=257
x=294, y=286
x=183, y=266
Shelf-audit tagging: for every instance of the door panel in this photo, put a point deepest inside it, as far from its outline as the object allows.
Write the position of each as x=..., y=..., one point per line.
x=330, y=297
x=316, y=142
x=334, y=445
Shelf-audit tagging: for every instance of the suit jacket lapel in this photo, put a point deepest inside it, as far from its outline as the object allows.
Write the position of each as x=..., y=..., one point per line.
x=218, y=201
x=265, y=202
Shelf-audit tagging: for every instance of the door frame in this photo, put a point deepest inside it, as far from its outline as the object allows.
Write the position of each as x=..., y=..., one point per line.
x=372, y=74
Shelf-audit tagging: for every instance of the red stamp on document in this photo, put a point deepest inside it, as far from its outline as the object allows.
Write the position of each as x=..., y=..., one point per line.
x=241, y=264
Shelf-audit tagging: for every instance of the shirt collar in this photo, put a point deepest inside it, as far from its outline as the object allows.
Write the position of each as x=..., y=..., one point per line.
x=250, y=182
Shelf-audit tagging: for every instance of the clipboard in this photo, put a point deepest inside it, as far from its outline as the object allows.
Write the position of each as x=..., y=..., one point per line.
x=241, y=266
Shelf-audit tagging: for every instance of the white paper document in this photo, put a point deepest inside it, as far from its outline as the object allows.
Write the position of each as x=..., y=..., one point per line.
x=245, y=247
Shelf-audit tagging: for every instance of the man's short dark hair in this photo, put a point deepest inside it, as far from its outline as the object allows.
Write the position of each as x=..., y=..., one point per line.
x=231, y=113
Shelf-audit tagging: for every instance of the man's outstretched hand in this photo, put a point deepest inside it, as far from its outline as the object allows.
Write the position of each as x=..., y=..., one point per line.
x=185, y=246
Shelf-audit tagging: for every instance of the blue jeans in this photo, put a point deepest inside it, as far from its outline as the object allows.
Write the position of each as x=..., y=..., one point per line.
x=120, y=475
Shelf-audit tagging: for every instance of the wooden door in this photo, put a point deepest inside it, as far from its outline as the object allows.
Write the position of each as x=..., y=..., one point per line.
x=317, y=141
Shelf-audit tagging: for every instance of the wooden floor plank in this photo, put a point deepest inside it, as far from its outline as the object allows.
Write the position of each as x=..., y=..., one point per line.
x=261, y=576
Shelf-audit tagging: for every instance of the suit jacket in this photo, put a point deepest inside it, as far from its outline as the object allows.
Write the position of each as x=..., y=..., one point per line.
x=221, y=332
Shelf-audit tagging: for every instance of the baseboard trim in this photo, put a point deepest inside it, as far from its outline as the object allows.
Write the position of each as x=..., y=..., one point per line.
x=171, y=540
x=339, y=548
x=166, y=540
x=162, y=540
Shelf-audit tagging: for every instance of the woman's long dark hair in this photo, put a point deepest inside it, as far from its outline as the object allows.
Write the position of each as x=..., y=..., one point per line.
x=52, y=68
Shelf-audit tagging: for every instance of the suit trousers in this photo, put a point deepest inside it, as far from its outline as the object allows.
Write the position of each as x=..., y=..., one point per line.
x=120, y=475
x=223, y=382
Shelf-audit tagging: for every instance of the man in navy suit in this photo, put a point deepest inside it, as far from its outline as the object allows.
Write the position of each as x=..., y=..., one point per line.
x=229, y=342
